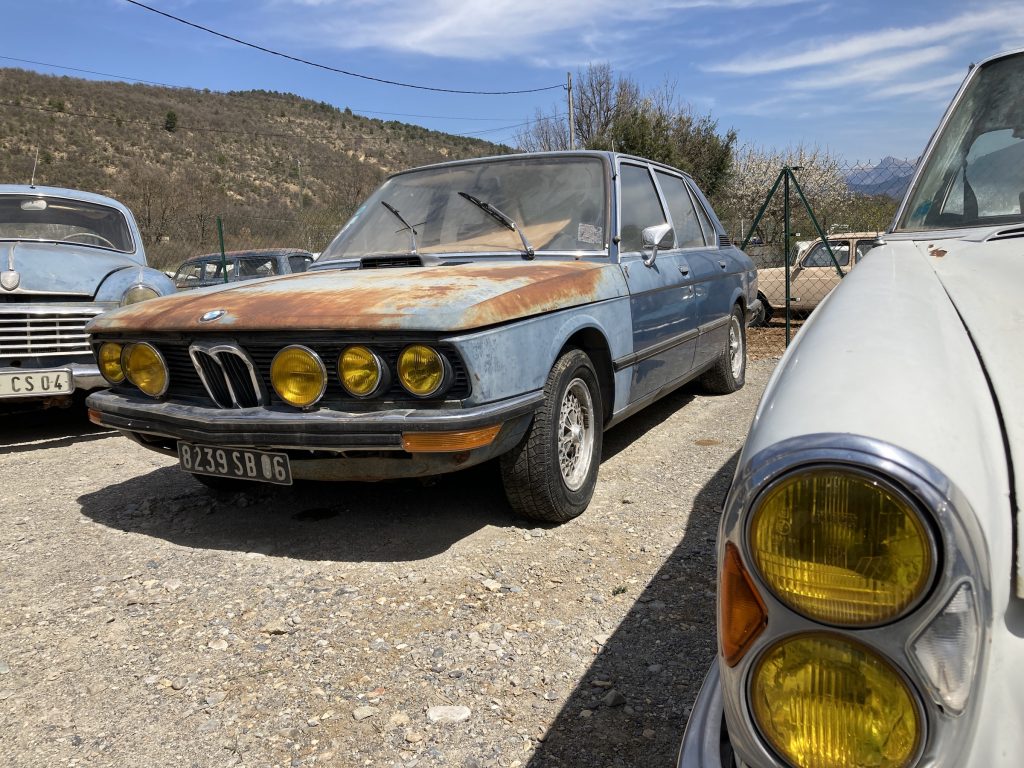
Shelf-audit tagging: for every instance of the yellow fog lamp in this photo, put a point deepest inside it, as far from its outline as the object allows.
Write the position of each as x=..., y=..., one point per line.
x=823, y=701
x=109, y=359
x=841, y=547
x=449, y=442
x=298, y=376
x=361, y=371
x=422, y=370
x=144, y=367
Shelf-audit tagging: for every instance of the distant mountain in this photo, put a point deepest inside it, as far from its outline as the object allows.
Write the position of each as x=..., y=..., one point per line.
x=890, y=177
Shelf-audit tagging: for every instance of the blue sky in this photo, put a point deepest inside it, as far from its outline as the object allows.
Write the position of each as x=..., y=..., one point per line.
x=865, y=79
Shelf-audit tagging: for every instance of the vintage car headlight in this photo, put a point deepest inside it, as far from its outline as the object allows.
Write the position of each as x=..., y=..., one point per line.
x=361, y=371
x=109, y=360
x=138, y=293
x=841, y=547
x=823, y=700
x=299, y=376
x=422, y=370
x=144, y=367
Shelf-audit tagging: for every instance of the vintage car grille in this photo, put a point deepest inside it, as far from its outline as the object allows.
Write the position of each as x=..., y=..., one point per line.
x=227, y=372
x=45, y=333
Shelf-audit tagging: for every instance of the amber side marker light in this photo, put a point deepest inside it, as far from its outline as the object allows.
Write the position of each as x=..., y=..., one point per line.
x=95, y=417
x=449, y=442
x=742, y=614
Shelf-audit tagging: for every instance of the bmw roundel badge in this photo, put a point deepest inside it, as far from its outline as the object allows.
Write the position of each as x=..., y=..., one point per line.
x=212, y=315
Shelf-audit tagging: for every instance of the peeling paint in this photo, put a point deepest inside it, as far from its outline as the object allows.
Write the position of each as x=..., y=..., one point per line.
x=440, y=298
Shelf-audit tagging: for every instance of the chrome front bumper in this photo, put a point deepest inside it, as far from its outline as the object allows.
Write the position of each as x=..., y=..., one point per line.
x=84, y=375
x=705, y=730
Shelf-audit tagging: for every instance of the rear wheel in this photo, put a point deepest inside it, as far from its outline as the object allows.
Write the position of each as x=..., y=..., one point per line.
x=763, y=315
x=550, y=475
x=730, y=370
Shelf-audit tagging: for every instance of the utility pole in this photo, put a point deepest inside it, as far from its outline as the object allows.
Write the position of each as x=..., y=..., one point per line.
x=572, y=122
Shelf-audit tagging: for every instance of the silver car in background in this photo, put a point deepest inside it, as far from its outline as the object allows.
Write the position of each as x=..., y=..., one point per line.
x=65, y=257
x=871, y=593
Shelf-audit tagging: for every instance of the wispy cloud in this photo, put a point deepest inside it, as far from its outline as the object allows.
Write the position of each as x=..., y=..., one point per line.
x=498, y=29
x=873, y=70
x=819, y=52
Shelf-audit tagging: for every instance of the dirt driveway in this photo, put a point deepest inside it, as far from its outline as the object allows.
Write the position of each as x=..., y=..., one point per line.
x=143, y=623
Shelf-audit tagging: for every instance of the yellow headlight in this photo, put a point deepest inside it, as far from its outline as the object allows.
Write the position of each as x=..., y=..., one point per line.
x=823, y=701
x=144, y=367
x=109, y=358
x=360, y=371
x=421, y=370
x=299, y=376
x=841, y=547
x=138, y=293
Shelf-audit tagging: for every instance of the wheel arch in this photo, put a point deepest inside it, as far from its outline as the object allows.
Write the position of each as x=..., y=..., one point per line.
x=592, y=341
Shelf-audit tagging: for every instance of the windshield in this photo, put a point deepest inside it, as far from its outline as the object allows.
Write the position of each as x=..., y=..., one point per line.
x=974, y=175
x=560, y=203
x=55, y=219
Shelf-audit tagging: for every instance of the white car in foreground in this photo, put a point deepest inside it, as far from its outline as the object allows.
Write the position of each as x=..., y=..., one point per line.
x=871, y=601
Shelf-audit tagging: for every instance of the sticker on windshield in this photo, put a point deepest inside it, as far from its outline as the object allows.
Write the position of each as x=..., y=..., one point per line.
x=588, y=233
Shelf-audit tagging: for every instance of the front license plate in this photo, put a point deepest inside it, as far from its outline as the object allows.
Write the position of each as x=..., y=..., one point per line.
x=238, y=463
x=34, y=383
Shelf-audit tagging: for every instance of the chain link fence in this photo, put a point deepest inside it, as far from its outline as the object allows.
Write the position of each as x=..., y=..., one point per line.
x=851, y=205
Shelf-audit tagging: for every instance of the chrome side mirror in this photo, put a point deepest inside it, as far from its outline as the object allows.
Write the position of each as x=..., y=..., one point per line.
x=653, y=238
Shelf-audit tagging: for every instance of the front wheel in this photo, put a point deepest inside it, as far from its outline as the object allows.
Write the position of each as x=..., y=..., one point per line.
x=730, y=370
x=551, y=473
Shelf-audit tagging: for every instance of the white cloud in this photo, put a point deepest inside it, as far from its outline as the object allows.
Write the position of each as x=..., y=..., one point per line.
x=872, y=70
x=938, y=87
x=841, y=50
x=574, y=30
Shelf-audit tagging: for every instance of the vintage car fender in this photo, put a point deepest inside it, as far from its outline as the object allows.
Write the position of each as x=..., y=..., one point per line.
x=939, y=409
x=116, y=284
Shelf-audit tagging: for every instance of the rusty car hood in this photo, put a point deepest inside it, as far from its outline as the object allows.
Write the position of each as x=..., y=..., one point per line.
x=67, y=269
x=436, y=298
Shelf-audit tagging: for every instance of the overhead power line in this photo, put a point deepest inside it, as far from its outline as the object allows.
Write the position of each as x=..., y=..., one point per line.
x=360, y=110
x=336, y=69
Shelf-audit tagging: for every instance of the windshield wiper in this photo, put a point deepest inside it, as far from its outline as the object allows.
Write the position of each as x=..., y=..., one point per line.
x=503, y=219
x=397, y=215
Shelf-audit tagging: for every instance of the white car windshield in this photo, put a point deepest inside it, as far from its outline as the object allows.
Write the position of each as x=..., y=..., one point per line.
x=60, y=220
x=974, y=175
x=558, y=203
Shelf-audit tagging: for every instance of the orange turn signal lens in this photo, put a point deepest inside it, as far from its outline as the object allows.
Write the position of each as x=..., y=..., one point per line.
x=742, y=615
x=449, y=442
x=95, y=417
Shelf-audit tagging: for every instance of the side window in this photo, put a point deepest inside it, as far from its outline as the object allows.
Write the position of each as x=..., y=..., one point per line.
x=640, y=206
x=818, y=255
x=863, y=246
x=298, y=263
x=705, y=224
x=684, y=217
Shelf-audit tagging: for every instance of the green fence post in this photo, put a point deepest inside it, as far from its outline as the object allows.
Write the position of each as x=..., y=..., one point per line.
x=818, y=229
x=223, y=257
x=760, y=214
x=785, y=239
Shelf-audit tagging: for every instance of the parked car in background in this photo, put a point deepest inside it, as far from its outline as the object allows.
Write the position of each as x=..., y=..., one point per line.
x=871, y=593
x=513, y=306
x=210, y=269
x=812, y=275
x=66, y=256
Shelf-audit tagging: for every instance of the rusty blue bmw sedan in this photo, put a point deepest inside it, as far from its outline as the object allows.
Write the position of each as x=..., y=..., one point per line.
x=511, y=307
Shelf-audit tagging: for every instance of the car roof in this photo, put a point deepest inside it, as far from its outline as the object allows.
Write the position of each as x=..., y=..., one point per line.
x=252, y=253
x=71, y=194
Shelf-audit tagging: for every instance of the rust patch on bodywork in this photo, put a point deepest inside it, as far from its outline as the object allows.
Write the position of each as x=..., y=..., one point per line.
x=442, y=298
x=938, y=253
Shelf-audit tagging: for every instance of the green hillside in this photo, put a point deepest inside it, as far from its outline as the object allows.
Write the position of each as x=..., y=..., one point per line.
x=279, y=169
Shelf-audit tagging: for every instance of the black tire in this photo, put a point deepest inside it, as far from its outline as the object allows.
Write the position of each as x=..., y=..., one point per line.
x=764, y=315
x=541, y=482
x=730, y=370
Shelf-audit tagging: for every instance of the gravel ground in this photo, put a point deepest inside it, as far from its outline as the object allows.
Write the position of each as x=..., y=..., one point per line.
x=145, y=623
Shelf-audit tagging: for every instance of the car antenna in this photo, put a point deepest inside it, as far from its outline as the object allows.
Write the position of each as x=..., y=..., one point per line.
x=35, y=162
